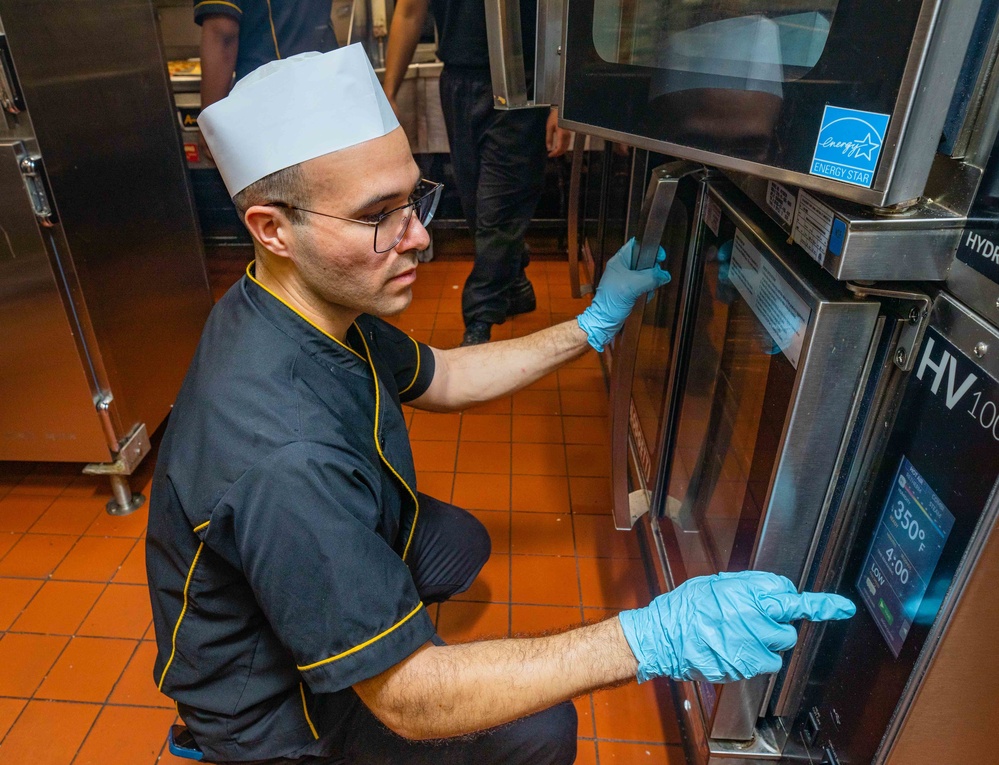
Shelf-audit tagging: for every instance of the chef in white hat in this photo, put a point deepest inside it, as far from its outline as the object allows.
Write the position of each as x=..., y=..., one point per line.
x=290, y=555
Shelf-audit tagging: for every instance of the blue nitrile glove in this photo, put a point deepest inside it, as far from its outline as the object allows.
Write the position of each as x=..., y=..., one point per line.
x=725, y=627
x=617, y=292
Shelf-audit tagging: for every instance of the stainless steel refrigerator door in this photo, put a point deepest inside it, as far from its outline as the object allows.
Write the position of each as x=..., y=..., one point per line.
x=48, y=391
x=845, y=97
x=777, y=357
x=95, y=86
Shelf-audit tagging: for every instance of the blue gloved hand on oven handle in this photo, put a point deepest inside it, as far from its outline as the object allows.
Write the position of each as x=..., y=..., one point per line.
x=619, y=289
x=725, y=627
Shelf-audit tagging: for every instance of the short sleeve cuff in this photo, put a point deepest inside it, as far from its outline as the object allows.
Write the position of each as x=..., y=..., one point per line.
x=423, y=375
x=371, y=657
x=216, y=7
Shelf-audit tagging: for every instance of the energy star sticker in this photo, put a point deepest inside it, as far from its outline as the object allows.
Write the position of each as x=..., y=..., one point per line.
x=865, y=148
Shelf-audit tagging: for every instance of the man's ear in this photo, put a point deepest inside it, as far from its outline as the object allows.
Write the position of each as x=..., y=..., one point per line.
x=270, y=227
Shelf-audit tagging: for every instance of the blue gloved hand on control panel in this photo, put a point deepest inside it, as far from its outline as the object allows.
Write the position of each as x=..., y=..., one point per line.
x=725, y=627
x=616, y=294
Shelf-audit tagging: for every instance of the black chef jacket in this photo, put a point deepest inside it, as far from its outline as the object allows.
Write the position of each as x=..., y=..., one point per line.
x=273, y=29
x=281, y=512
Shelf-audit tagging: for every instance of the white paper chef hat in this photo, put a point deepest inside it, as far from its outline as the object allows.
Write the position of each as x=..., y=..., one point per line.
x=293, y=110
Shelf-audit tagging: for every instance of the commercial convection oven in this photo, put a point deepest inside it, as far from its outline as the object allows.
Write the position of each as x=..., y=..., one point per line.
x=760, y=421
x=735, y=393
x=846, y=97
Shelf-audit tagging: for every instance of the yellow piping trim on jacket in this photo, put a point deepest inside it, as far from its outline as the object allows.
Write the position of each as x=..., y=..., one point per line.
x=202, y=526
x=270, y=16
x=219, y=2
x=415, y=374
x=306, y=710
x=416, y=502
x=299, y=314
x=183, y=610
x=366, y=643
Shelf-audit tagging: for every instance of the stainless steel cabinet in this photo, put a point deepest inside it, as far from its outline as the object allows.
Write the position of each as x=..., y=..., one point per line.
x=102, y=273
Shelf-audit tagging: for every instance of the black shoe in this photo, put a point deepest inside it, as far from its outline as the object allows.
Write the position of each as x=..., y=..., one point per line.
x=476, y=333
x=521, y=297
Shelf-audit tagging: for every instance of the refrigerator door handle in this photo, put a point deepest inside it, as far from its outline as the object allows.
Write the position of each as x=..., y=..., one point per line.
x=548, y=55
x=656, y=208
x=11, y=99
x=578, y=288
x=506, y=54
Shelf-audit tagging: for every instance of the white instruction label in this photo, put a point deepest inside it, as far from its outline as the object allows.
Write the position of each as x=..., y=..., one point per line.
x=782, y=313
x=781, y=201
x=712, y=214
x=812, y=226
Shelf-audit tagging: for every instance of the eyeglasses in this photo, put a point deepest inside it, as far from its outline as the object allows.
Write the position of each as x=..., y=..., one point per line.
x=390, y=227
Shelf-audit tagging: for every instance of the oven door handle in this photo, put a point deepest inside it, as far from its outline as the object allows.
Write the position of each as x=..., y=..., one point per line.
x=656, y=208
x=506, y=54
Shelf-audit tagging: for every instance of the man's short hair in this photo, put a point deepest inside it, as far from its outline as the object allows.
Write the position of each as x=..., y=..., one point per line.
x=286, y=185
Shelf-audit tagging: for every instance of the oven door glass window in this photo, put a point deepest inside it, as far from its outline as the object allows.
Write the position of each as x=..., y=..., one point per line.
x=733, y=410
x=708, y=44
x=746, y=82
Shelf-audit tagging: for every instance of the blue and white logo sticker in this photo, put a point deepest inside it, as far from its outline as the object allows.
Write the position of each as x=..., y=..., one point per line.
x=849, y=145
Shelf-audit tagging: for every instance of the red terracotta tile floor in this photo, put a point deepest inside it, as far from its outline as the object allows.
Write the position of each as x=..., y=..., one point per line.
x=76, y=648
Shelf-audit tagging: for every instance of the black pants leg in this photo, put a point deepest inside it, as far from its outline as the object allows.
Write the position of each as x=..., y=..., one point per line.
x=545, y=738
x=498, y=159
x=449, y=548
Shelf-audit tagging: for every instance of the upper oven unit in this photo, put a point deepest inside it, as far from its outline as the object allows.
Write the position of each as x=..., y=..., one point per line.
x=857, y=99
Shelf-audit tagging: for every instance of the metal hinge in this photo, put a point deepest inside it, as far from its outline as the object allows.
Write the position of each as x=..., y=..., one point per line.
x=910, y=307
x=37, y=187
x=127, y=453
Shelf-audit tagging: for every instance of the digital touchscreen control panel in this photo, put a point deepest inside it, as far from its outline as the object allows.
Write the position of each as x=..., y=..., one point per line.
x=906, y=547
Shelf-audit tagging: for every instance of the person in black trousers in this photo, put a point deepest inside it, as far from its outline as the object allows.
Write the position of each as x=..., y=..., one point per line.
x=498, y=157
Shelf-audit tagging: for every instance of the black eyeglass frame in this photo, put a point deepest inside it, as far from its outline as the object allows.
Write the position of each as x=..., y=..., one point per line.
x=435, y=190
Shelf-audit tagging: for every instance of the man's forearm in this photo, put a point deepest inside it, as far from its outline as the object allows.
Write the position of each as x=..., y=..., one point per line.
x=478, y=373
x=219, y=49
x=407, y=23
x=443, y=691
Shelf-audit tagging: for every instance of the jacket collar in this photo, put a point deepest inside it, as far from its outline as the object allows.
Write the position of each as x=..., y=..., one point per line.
x=313, y=340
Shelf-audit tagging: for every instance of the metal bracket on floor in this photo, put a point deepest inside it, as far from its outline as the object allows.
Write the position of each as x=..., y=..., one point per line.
x=127, y=457
x=911, y=307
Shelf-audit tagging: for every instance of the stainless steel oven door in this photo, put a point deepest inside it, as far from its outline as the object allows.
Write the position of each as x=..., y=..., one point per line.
x=778, y=352
x=847, y=97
